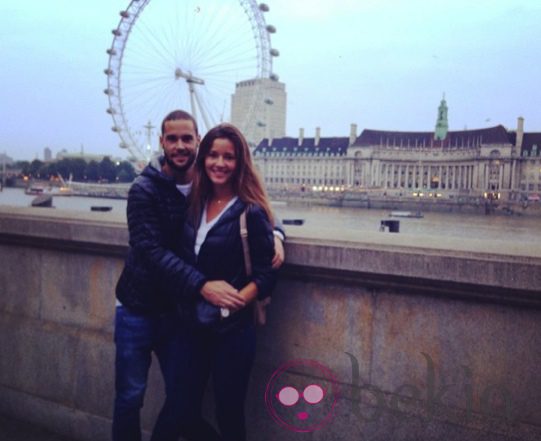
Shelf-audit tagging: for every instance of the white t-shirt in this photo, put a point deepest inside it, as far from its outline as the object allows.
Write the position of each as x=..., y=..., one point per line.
x=185, y=189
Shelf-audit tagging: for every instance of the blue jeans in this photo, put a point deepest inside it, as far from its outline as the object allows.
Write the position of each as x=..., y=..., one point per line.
x=136, y=337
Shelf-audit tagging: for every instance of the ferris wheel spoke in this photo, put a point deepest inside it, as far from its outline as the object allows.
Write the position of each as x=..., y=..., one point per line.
x=149, y=47
x=220, y=37
x=230, y=60
x=235, y=54
x=223, y=37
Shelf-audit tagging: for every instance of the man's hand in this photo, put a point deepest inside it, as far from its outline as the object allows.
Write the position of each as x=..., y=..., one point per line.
x=222, y=294
x=279, y=253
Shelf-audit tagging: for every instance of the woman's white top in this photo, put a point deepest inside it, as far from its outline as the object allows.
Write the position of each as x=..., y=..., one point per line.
x=205, y=226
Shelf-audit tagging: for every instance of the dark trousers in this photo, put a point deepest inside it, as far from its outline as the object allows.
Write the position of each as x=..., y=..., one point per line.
x=228, y=358
x=136, y=337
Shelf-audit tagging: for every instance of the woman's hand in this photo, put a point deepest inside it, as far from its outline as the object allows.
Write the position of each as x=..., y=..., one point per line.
x=279, y=253
x=223, y=295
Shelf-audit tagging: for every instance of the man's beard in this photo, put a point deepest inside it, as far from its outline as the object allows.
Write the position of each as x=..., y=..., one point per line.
x=181, y=168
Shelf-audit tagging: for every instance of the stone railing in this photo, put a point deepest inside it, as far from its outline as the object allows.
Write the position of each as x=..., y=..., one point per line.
x=410, y=338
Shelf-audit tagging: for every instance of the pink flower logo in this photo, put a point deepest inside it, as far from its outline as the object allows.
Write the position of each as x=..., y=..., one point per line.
x=301, y=395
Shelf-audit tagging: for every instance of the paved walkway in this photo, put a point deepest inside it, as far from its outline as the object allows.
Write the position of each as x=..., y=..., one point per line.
x=14, y=430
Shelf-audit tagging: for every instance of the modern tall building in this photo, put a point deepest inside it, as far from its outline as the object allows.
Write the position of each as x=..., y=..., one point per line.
x=47, y=154
x=270, y=108
x=449, y=163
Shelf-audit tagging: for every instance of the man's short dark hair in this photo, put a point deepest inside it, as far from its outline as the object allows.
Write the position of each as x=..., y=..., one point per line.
x=179, y=114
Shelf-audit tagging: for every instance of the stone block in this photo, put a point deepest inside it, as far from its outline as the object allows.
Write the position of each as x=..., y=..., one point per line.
x=38, y=358
x=20, y=281
x=78, y=289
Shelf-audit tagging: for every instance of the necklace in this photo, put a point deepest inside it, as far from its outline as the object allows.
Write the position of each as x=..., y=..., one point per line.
x=222, y=201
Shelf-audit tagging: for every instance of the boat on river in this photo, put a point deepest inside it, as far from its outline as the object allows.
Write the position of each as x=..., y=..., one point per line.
x=293, y=221
x=35, y=189
x=42, y=200
x=101, y=208
x=414, y=214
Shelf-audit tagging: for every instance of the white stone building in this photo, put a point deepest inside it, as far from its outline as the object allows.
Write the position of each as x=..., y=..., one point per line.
x=506, y=164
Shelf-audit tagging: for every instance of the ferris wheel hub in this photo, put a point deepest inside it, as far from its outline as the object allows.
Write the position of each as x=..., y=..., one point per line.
x=179, y=73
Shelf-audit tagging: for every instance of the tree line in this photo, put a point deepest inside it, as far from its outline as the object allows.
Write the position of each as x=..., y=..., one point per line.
x=80, y=170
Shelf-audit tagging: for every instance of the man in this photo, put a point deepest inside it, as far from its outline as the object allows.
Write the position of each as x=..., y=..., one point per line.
x=154, y=279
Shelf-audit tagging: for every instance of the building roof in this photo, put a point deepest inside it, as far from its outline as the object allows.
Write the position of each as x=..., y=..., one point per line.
x=454, y=139
x=330, y=146
x=528, y=141
x=459, y=139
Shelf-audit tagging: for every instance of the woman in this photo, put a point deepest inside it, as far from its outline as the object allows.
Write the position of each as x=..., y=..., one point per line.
x=225, y=185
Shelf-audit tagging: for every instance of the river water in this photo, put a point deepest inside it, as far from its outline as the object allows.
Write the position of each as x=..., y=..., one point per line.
x=334, y=222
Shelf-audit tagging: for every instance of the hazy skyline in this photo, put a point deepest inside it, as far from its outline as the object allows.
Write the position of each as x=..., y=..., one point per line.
x=381, y=64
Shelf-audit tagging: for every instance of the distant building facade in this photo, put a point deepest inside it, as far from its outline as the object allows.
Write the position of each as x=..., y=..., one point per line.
x=449, y=163
x=47, y=154
x=270, y=110
x=5, y=159
x=87, y=157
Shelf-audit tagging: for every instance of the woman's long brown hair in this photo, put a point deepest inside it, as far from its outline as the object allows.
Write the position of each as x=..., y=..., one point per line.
x=247, y=184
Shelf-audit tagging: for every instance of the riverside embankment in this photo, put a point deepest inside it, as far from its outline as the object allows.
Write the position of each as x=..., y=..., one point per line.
x=426, y=338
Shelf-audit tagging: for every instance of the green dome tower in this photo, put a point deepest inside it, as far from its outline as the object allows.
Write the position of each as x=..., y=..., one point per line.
x=441, y=124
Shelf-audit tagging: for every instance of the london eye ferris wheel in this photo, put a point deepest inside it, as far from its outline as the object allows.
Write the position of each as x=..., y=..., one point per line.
x=184, y=54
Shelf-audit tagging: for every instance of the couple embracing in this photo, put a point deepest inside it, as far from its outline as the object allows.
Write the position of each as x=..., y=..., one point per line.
x=185, y=292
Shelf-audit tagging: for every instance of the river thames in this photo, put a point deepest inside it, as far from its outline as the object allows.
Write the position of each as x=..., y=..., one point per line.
x=338, y=222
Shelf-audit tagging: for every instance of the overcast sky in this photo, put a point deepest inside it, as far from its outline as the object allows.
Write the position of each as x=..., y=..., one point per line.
x=382, y=64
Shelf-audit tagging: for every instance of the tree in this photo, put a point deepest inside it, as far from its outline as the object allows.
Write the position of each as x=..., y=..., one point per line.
x=24, y=166
x=78, y=166
x=49, y=170
x=92, y=171
x=35, y=168
x=125, y=172
x=107, y=170
x=63, y=168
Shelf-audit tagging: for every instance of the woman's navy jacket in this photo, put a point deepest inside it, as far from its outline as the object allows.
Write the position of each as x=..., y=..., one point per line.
x=221, y=255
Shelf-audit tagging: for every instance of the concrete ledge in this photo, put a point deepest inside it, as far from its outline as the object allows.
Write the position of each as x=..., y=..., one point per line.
x=101, y=233
x=392, y=302
x=477, y=269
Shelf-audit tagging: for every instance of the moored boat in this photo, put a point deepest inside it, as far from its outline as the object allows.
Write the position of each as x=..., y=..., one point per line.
x=293, y=221
x=42, y=200
x=415, y=214
x=35, y=189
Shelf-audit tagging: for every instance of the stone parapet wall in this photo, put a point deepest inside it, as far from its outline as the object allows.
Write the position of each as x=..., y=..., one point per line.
x=424, y=339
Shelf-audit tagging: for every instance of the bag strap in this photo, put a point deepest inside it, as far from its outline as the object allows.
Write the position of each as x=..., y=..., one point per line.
x=245, y=246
